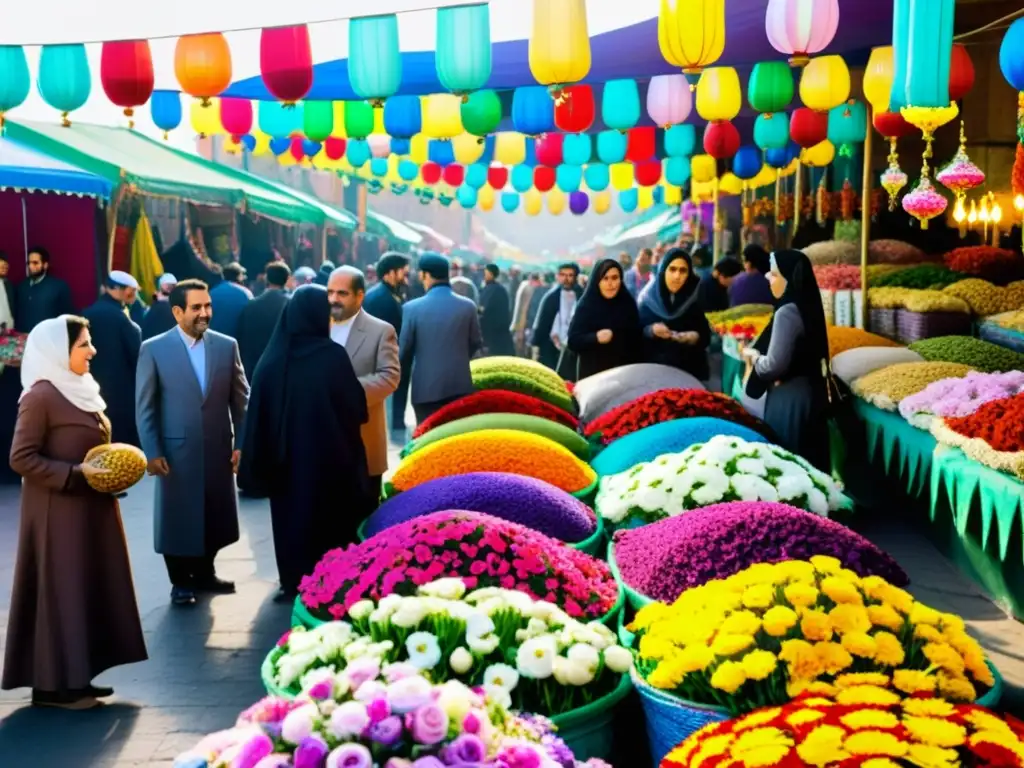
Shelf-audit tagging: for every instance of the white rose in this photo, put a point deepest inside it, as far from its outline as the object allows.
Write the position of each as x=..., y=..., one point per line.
x=482, y=646
x=501, y=676
x=298, y=724
x=479, y=625
x=499, y=696
x=423, y=649
x=411, y=611
x=356, y=649
x=348, y=720
x=585, y=655
x=447, y=589
x=618, y=659
x=361, y=610
x=578, y=674
x=536, y=657
x=560, y=670
x=461, y=661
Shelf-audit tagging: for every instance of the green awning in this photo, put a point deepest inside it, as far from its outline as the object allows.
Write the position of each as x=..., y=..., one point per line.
x=648, y=228
x=395, y=228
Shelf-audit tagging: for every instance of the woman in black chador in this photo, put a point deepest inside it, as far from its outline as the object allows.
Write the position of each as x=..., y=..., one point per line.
x=605, y=327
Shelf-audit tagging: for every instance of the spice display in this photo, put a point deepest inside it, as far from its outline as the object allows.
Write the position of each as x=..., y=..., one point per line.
x=933, y=276
x=833, y=252
x=979, y=355
x=838, y=277
x=495, y=401
x=933, y=301
x=960, y=397
x=887, y=387
x=995, y=264
x=842, y=339
x=895, y=252
x=983, y=297
x=517, y=374
x=992, y=435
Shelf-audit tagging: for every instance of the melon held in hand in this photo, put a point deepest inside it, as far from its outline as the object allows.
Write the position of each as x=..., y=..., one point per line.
x=125, y=465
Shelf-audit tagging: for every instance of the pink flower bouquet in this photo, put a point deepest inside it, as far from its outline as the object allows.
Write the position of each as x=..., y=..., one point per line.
x=482, y=550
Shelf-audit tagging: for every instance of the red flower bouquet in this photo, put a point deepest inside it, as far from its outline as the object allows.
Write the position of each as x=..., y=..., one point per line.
x=483, y=551
x=668, y=405
x=496, y=401
x=995, y=264
x=992, y=435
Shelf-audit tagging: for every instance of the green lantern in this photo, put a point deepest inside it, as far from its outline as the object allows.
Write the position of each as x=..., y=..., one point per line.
x=770, y=88
x=317, y=120
x=358, y=119
x=481, y=113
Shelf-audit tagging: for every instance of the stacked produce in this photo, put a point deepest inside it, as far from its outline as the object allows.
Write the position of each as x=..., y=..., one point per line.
x=833, y=252
x=895, y=252
x=517, y=374
x=933, y=276
x=738, y=312
x=876, y=271
x=983, y=297
x=916, y=300
x=1013, y=321
x=975, y=353
x=887, y=387
x=837, y=277
x=856, y=363
x=995, y=264
x=993, y=435
x=552, y=430
x=959, y=397
x=495, y=401
x=842, y=339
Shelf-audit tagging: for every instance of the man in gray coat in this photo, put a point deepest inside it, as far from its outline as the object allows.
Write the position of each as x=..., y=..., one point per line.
x=190, y=400
x=440, y=335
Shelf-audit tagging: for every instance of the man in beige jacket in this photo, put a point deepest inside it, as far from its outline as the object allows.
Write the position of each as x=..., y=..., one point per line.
x=372, y=346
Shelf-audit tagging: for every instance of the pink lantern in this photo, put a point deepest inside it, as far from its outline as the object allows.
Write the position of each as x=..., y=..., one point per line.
x=923, y=202
x=380, y=144
x=669, y=100
x=236, y=117
x=801, y=28
x=286, y=62
x=960, y=175
x=334, y=148
x=296, y=150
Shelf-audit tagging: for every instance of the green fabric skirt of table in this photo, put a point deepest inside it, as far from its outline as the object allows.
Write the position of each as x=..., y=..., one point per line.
x=899, y=441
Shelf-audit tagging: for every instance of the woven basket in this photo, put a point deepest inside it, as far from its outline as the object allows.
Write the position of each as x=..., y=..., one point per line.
x=670, y=719
x=882, y=322
x=1004, y=337
x=915, y=326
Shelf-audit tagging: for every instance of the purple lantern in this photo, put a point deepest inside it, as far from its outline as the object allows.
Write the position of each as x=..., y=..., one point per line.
x=578, y=203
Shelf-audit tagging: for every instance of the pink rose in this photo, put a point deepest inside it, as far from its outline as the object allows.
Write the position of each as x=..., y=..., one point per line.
x=428, y=724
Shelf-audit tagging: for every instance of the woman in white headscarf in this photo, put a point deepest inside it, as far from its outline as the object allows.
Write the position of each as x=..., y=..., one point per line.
x=73, y=610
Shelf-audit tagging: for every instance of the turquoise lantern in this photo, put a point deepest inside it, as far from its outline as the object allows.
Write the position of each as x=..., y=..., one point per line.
x=568, y=177
x=463, y=57
x=374, y=58
x=772, y=131
x=629, y=199
x=533, y=110
x=522, y=178
x=576, y=149
x=848, y=123
x=278, y=121
x=466, y=195
x=379, y=167
x=403, y=116
x=14, y=79
x=611, y=147
x=597, y=177
x=408, y=170
x=680, y=141
x=165, y=110
x=620, y=104
x=64, y=79
x=476, y=175
x=922, y=41
x=677, y=171
x=357, y=152
x=509, y=202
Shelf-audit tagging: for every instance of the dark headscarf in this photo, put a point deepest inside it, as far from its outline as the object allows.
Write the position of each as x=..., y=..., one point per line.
x=594, y=312
x=758, y=257
x=656, y=299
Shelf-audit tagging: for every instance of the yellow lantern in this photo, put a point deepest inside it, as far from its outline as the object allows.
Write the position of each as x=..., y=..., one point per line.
x=442, y=115
x=878, y=77
x=378, y=122
x=262, y=145
x=467, y=148
x=673, y=195
x=691, y=33
x=392, y=176
x=533, y=201
x=560, y=43
x=485, y=197
x=556, y=201
x=510, y=148
x=702, y=191
x=825, y=83
x=231, y=146
x=206, y=120
x=703, y=169
x=765, y=177
x=287, y=160
x=419, y=149
x=338, y=130
x=601, y=202
x=730, y=184
x=792, y=168
x=719, y=95
x=645, y=198
x=819, y=155
x=621, y=176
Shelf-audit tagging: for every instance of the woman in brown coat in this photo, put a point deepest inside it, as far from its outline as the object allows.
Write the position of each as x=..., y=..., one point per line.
x=73, y=611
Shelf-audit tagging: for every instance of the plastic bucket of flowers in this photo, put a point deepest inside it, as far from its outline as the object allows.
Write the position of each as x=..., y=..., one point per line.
x=587, y=730
x=636, y=600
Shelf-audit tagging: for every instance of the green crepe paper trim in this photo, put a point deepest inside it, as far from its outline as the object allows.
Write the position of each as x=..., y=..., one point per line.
x=901, y=441
x=535, y=425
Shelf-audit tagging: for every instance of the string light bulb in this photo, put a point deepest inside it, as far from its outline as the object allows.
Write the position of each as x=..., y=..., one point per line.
x=983, y=214
x=972, y=217
x=959, y=211
x=1018, y=203
x=996, y=214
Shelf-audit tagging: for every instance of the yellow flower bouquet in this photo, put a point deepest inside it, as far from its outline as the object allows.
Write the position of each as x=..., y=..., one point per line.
x=774, y=631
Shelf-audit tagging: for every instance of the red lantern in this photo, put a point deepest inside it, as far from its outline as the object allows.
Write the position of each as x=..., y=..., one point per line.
x=574, y=113
x=722, y=140
x=334, y=148
x=497, y=176
x=808, y=128
x=236, y=116
x=454, y=175
x=892, y=125
x=543, y=178
x=648, y=173
x=296, y=149
x=286, y=62
x=430, y=173
x=126, y=71
x=961, y=73
x=641, y=144
x=549, y=149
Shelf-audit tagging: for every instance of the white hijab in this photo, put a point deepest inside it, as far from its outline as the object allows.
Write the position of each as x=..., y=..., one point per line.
x=46, y=359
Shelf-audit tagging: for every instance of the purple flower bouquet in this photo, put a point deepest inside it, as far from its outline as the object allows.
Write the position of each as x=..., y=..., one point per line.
x=664, y=559
x=516, y=498
x=959, y=397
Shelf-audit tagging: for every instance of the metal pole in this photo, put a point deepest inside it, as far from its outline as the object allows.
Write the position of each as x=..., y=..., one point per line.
x=716, y=247
x=865, y=219
x=776, y=245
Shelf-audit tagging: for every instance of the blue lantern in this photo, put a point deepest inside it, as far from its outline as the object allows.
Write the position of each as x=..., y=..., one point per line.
x=466, y=196
x=311, y=148
x=597, y=177
x=620, y=104
x=277, y=121
x=374, y=58
x=280, y=145
x=611, y=147
x=400, y=146
x=531, y=153
x=509, y=202
x=440, y=152
x=922, y=41
x=848, y=123
x=64, y=80
x=629, y=199
x=576, y=149
x=568, y=177
x=781, y=158
x=463, y=57
x=408, y=170
x=658, y=195
x=403, y=116
x=15, y=82
x=249, y=142
x=771, y=131
x=533, y=110
x=1011, y=58
x=476, y=175
x=747, y=163
x=677, y=171
x=357, y=152
x=522, y=178
x=680, y=141
x=379, y=167
x=165, y=109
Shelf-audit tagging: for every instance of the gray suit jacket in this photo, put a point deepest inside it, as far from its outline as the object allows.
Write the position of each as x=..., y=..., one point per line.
x=196, y=510
x=440, y=335
x=372, y=347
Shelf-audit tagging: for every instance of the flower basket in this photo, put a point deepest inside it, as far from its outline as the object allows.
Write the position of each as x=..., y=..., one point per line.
x=915, y=326
x=882, y=321
x=636, y=600
x=994, y=695
x=671, y=719
x=587, y=730
x=267, y=674
x=1004, y=337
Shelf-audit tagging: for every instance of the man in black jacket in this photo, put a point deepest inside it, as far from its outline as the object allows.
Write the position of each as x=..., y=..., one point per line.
x=551, y=328
x=40, y=295
x=495, y=314
x=9, y=311
x=384, y=301
x=159, y=318
x=259, y=317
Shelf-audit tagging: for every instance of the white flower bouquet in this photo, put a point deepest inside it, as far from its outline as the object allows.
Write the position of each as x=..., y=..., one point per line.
x=720, y=470
x=528, y=654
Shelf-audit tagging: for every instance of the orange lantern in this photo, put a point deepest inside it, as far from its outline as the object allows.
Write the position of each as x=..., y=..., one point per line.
x=202, y=64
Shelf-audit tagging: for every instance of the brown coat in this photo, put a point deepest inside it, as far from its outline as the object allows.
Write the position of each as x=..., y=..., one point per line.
x=73, y=610
x=372, y=347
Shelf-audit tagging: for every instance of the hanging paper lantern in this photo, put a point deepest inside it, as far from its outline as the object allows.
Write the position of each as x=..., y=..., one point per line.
x=677, y=171
x=556, y=201
x=126, y=73
x=549, y=149
x=703, y=168
x=164, y=109
x=680, y=141
x=691, y=34
x=64, y=80
x=286, y=62
x=497, y=177
x=602, y=203
x=801, y=28
x=236, y=117
x=441, y=152
x=533, y=202
x=453, y=175
x=359, y=119
x=575, y=109
x=522, y=178
x=621, y=175
x=878, y=78
x=848, y=124
x=543, y=178
x=730, y=184
x=463, y=57
x=15, y=81
x=296, y=150
x=819, y=155
x=205, y=120
x=629, y=199
x=277, y=121
x=961, y=72
x=280, y=145
x=960, y=175
x=317, y=119
x=467, y=149
x=442, y=117
x=374, y=58
x=1011, y=55
x=430, y=173
x=597, y=177
x=747, y=163
x=311, y=148
x=719, y=95
x=419, y=149
x=403, y=116
x=669, y=100
x=771, y=131
x=357, y=152
x=647, y=173
x=611, y=147
x=721, y=140
x=576, y=149
x=476, y=175
x=825, y=83
x=202, y=65
x=533, y=111
x=510, y=148
x=380, y=145
x=481, y=113
x=379, y=167
x=559, y=49
x=334, y=148
x=808, y=128
x=568, y=177
x=781, y=158
x=923, y=202
x=485, y=198
x=620, y=104
x=770, y=87
x=891, y=125
x=578, y=203
x=466, y=196
x=641, y=144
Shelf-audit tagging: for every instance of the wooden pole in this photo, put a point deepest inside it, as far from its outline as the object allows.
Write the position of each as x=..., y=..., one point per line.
x=716, y=241
x=776, y=245
x=865, y=219
x=798, y=199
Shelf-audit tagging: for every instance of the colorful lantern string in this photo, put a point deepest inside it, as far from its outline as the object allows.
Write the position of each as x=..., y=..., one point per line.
x=825, y=83
x=202, y=65
x=15, y=82
x=691, y=34
x=463, y=58
x=575, y=110
x=719, y=94
x=801, y=28
x=165, y=110
x=960, y=175
x=669, y=100
x=286, y=62
x=770, y=87
x=236, y=117
x=126, y=73
x=374, y=58
x=559, y=48
x=64, y=79
x=620, y=104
